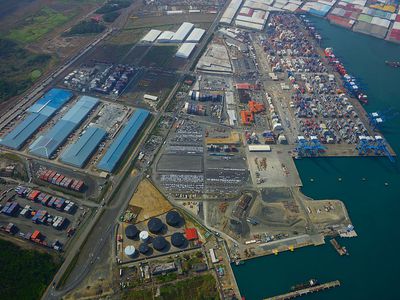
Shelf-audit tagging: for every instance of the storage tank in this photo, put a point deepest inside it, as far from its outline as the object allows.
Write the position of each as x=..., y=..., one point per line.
x=144, y=248
x=159, y=243
x=173, y=218
x=178, y=239
x=144, y=236
x=130, y=251
x=131, y=232
x=155, y=225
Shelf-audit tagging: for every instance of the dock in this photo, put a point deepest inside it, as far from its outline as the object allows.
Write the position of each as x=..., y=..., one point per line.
x=306, y=291
x=339, y=249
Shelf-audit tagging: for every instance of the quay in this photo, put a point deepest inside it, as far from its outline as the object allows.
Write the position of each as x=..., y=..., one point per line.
x=306, y=291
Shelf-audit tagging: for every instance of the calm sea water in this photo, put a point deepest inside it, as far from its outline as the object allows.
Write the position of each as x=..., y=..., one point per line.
x=371, y=271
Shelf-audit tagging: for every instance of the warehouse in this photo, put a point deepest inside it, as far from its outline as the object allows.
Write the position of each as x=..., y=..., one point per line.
x=165, y=37
x=259, y=148
x=248, y=25
x=38, y=114
x=123, y=140
x=230, y=12
x=185, y=50
x=195, y=36
x=79, y=153
x=46, y=145
x=151, y=36
x=182, y=32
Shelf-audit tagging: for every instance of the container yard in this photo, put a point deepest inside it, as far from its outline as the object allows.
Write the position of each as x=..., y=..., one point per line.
x=101, y=78
x=58, y=179
x=36, y=116
x=42, y=218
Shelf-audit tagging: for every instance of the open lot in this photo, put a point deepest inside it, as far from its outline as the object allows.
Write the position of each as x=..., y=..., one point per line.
x=150, y=200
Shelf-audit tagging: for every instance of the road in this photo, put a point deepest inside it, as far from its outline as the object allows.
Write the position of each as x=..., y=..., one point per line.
x=91, y=241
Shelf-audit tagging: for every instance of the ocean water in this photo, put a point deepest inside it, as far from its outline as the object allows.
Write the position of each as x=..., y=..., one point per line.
x=371, y=270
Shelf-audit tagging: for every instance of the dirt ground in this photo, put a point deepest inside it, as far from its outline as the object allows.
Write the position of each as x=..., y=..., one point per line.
x=152, y=202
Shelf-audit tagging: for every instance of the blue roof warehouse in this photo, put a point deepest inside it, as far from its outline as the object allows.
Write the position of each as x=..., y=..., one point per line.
x=46, y=145
x=79, y=153
x=38, y=114
x=118, y=148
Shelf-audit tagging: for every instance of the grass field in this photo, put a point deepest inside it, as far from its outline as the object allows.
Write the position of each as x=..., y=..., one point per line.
x=172, y=20
x=34, y=27
x=24, y=274
x=19, y=68
x=152, y=202
x=195, y=288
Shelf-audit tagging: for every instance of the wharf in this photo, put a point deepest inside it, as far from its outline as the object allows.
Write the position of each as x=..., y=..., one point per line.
x=339, y=249
x=306, y=291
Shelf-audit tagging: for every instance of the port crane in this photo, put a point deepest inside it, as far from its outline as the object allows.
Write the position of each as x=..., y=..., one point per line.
x=377, y=145
x=310, y=147
x=377, y=119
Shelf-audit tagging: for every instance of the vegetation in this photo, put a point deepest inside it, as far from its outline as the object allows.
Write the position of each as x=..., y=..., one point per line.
x=113, y=5
x=167, y=277
x=86, y=27
x=26, y=277
x=16, y=66
x=160, y=56
x=195, y=288
x=36, y=26
x=111, y=16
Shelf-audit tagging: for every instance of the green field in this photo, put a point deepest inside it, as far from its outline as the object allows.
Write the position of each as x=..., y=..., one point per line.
x=34, y=27
x=24, y=274
x=19, y=68
x=195, y=288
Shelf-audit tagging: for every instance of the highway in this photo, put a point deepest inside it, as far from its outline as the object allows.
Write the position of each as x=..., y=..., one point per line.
x=91, y=241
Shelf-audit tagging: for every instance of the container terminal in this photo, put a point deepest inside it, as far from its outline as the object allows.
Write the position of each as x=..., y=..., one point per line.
x=205, y=171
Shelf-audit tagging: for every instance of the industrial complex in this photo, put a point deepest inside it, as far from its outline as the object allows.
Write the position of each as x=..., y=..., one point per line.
x=165, y=152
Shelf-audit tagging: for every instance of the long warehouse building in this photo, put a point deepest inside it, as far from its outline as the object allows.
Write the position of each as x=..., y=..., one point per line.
x=185, y=50
x=195, y=36
x=79, y=153
x=182, y=32
x=46, y=145
x=118, y=148
x=37, y=115
x=230, y=12
x=151, y=36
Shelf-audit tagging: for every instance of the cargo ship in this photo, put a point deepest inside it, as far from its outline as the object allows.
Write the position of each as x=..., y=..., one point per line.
x=393, y=64
x=305, y=285
x=349, y=82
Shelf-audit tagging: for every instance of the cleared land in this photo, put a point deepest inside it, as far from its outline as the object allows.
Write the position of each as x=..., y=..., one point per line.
x=152, y=202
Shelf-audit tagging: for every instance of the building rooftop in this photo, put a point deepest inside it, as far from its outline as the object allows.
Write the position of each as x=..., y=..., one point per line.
x=45, y=145
x=123, y=140
x=195, y=36
x=77, y=154
x=182, y=32
x=38, y=114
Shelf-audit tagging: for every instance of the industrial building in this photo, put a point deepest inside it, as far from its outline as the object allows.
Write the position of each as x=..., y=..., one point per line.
x=46, y=145
x=79, y=153
x=165, y=37
x=38, y=114
x=230, y=12
x=195, y=36
x=185, y=50
x=151, y=36
x=182, y=32
x=123, y=140
x=259, y=148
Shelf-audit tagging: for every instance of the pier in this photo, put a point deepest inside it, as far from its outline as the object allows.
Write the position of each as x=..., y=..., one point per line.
x=306, y=291
x=339, y=249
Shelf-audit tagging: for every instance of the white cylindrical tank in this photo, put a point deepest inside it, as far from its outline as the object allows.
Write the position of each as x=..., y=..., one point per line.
x=130, y=251
x=144, y=236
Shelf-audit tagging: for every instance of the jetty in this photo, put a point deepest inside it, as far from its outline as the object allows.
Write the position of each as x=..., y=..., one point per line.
x=339, y=249
x=306, y=291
